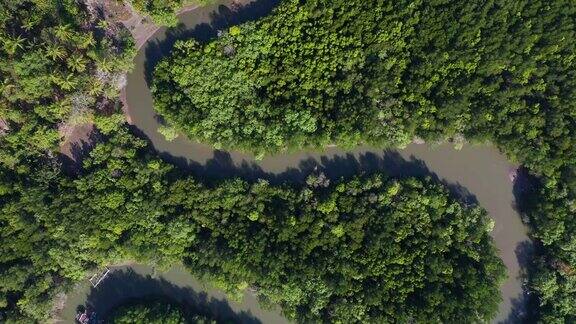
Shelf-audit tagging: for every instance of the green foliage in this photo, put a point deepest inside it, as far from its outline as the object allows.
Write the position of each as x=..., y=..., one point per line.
x=292, y=79
x=554, y=276
x=55, y=68
x=372, y=258
x=163, y=12
x=338, y=231
x=168, y=132
x=155, y=312
x=322, y=252
x=314, y=73
x=51, y=240
x=555, y=283
x=384, y=72
x=109, y=124
x=152, y=313
x=51, y=73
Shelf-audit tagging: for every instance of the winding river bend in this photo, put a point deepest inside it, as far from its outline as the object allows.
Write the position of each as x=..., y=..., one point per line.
x=476, y=173
x=132, y=282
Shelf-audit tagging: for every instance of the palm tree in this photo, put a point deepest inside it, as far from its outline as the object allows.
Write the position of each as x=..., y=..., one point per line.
x=55, y=52
x=11, y=45
x=104, y=64
x=87, y=41
x=63, y=32
x=67, y=83
x=29, y=23
x=103, y=24
x=96, y=88
x=77, y=63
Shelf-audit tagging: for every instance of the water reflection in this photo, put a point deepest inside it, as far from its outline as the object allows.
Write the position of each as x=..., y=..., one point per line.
x=125, y=286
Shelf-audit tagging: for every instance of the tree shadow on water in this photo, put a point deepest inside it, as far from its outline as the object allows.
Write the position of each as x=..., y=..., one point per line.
x=221, y=18
x=125, y=286
x=525, y=192
x=335, y=167
x=524, y=307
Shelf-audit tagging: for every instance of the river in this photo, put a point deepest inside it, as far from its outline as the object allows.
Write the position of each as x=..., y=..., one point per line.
x=133, y=282
x=475, y=173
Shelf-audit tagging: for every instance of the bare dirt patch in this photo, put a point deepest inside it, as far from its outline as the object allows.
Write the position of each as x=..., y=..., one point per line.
x=77, y=140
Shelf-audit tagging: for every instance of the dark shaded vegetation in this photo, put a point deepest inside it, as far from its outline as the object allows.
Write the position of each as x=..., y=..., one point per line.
x=126, y=287
x=151, y=312
x=154, y=312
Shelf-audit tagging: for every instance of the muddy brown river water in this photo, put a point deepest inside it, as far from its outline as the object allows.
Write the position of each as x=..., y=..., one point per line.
x=475, y=173
x=126, y=283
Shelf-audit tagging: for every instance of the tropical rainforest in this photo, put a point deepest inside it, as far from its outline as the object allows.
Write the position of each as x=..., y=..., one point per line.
x=163, y=12
x=313, y=74
x=155, y=312
x=366, y=249
x=385, y=72
x=59, y=66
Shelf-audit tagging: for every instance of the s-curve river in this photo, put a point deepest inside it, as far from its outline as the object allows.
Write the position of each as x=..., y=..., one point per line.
x=476, y=173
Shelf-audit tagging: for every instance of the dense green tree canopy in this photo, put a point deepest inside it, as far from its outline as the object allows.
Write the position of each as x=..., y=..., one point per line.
x=295, y=78
x=154, y=313
x=58, y=67
x=367, y=249
x=383, y=72
x=314, y=72
x=320, y=72
x=364, y=250
x=163, y=12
